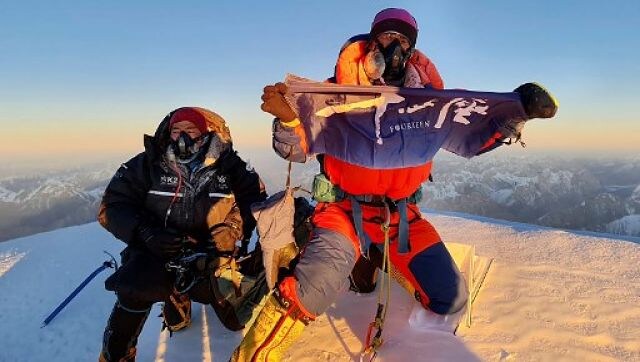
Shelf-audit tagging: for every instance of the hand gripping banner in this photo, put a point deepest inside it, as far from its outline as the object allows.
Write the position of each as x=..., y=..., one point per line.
x=389, y=127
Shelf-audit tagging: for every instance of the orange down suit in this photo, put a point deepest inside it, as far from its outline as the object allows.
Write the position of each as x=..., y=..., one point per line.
x=325, y=264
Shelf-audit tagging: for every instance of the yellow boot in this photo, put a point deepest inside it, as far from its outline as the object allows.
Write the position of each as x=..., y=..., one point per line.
x=278, y=325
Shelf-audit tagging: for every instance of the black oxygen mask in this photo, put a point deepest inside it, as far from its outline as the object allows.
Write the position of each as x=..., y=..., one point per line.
x=395, y=59
x=186, y=148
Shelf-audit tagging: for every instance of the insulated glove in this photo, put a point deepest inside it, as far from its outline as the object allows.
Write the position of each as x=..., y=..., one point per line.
x=273, y=102
x=225, y=237
x=537, y=101
x=163, y=243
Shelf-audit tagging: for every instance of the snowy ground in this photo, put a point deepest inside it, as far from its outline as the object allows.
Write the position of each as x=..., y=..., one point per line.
x=550, y=296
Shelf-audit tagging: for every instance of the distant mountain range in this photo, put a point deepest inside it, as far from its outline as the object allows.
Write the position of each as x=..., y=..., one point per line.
x=582, y=194
x=34, y=204
x=601, y=195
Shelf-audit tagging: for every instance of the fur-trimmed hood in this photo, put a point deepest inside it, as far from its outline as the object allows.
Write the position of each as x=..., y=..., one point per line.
x=158, y=144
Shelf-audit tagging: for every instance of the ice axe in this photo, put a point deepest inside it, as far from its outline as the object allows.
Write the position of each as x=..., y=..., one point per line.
x=111, y=263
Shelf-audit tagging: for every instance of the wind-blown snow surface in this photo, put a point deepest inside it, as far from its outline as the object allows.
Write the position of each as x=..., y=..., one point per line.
x=550, y=295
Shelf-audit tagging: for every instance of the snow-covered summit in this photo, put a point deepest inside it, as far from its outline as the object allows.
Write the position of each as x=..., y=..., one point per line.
x=550, y=295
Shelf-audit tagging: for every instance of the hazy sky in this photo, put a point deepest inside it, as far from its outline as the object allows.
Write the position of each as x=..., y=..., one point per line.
x=90, y=77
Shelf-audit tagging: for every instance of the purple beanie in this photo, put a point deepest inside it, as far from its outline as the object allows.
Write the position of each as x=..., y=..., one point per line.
x=395, y=19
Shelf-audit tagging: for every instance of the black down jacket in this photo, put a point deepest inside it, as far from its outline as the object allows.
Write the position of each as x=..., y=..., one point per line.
x=152, y=189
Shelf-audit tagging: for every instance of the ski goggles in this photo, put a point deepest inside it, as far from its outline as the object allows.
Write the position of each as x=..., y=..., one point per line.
x=389, y=36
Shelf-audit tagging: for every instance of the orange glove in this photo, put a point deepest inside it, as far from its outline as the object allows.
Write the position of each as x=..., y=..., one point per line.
x=273, y=102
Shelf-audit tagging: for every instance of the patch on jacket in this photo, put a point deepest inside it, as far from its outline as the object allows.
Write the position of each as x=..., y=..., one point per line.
x=221, y=182
x=169, y=180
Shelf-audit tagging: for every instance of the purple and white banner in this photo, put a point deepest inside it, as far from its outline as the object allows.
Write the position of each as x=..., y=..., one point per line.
x=390, y=127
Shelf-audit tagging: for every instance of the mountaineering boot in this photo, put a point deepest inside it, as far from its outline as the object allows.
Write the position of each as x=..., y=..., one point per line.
x=176, y=312
x=537, y=101
x=121, y=334
x=129, y=357
x=279, y=324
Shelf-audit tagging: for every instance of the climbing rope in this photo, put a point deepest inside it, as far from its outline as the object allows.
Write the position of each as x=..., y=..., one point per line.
x=372, y=344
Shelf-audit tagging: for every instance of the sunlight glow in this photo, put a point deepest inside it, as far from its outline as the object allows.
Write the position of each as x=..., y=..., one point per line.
x=206, y=346
x=162, y=346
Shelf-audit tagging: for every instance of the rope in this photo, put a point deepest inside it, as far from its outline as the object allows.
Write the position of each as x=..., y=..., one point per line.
x=372, y=345
x=175, y=168
x=288, y=175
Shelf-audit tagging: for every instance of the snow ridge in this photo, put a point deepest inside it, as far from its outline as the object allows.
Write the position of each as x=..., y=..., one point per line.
x=550, y=295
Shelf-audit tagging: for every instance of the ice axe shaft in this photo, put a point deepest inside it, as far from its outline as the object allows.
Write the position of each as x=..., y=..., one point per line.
x=107, y=264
